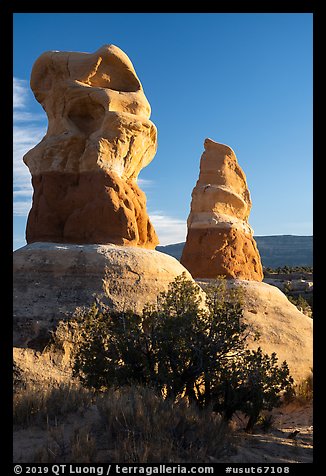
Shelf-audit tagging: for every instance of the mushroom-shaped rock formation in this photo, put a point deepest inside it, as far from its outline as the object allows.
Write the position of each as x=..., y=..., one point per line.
x=99, y=137
x=220, y=240
x=88, y=233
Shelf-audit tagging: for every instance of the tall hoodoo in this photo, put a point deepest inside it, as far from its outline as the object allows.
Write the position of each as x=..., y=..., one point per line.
x=220, y=240
x=99, y=137
x=88, y=232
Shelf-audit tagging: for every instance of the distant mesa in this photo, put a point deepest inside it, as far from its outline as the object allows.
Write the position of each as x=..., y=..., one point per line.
x=220, y=240
x=275, y=250
x=99, y=137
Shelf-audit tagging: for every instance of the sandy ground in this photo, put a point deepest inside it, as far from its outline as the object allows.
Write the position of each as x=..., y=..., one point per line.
x=276, y=445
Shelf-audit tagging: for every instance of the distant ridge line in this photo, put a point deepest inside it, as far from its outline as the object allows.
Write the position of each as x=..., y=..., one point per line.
x=275, y=250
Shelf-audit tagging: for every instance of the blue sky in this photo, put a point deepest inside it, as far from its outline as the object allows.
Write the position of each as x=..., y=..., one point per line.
x=241, y=79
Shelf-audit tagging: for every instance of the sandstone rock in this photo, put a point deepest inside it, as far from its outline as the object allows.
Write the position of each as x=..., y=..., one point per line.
x=282, y=327
x=99, y=137
x=34, y=367
x=51, y=280
x=220, y=240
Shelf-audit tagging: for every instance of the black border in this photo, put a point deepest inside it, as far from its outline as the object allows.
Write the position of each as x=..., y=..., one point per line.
x=6, y=40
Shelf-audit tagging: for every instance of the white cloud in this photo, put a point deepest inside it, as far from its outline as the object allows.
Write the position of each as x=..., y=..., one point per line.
x=22, y=207
x=145, y=183
x=22, y=193
x=169, y=230
x=20, y=93
x=26, y=134
x=23, y=116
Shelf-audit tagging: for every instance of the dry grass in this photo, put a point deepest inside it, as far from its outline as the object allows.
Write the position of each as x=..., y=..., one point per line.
x=80, y=447
x=130, y=425
x=145, y=428
x=37, y=404
x=304, y=391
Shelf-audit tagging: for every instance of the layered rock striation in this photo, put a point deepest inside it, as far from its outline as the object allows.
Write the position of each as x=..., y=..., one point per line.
x=220, y=240
x=99, y=137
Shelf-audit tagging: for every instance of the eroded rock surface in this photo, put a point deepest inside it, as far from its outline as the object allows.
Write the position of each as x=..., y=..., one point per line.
x=282, y=328
x=99, y=137
x=220, y=240
x=52, y=279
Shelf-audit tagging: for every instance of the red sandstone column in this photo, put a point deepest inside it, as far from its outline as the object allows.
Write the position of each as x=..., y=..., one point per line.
x=220, y=240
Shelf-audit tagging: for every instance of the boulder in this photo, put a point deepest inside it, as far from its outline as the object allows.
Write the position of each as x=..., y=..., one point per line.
x=51, y=280
x=220, y=240
x=282, y=328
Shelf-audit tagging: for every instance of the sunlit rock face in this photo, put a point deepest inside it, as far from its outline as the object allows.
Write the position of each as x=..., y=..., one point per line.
x=52, y=279
x=220, y=240
x=99, y=137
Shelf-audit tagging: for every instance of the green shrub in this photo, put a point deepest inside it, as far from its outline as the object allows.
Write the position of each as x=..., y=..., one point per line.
x=301, y=303
x=183, y=349
x=252, y=383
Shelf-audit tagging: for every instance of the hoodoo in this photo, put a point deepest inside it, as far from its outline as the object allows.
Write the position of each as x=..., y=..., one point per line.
x=99, y=137
x=220, y=240
x=88, y=232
